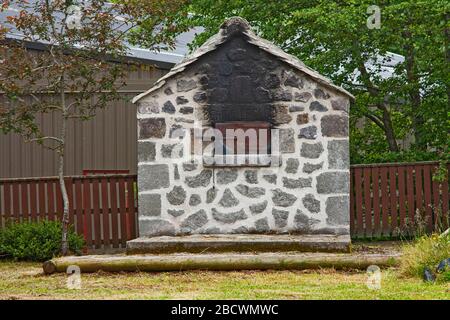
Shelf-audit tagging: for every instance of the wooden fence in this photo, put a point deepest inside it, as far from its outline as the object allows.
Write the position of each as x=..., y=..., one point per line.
x=392, y=200
x=103, y=208
x=386, y=200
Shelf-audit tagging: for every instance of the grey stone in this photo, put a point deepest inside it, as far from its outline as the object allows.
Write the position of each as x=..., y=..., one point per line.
x=311, y=150
x=338, y=154
x=240, y=230
x=311, y=167
x=317, y=106
x=287, y=141
x=184, y=85
x=181, y=100
x=171, y=151
x=230, y=217
x=271, y=81
x=262, y=225
x=280, y=217
x=280, y=115
x=228, y=199
x=262, y=95
x=302, y=118
x=155, y=228
x=200, y=97
x=211, y=195
x=154, y=176
x=297, y=183
x=303, y=223
x=258, y=207
x=251, y=176
x=185, y=120
x=146, y=107
x=271, y=178
x=146, y=151
x=190, y=166
x=320, y=94
x=282, y=95
x=311, y=203
x=152, y=128
x=292, y=81
x=149, y=205
x=176, y=196
x=176, y=173
x=333, y=182
x=195, y=200
x=236, y=54
x=309, y=132
x=194, y=222
x=168, y=107
x=334, y=126
x=175, y=213
x=340, y=104
x=226, y=176
x=186, y=110
x=292, y=165
x=201, y=180
x=296, y=108
x=168, y=91
x=251, y=192
x=338, y=210
x=302, y=96
x=283, y=199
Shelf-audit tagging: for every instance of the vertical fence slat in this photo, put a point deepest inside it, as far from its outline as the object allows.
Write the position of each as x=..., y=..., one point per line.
x=122, y=210
x=114, y=212
x=445, y=200
x=352, y=202
x=105, y=211
x=42, y=201
x=16, y=201
x=96, y=206
x=367, y=202
x=359, y=202
x=418, y=170
x=79, y=206
x=402, y=196
x=24, y=197
x=384, y=201
x=427, y=197
x=87, y=209
x=410, y=195
x=131, y=209
x=33, y=201
x=50, y=200
x=376, y=201
x=394, y=199
x=437, y=208
x=7, y=194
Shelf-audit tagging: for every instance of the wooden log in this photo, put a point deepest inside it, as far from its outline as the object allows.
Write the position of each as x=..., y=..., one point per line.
x=219, y=262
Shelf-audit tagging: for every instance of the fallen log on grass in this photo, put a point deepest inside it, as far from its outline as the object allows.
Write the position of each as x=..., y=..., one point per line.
x=220, y=262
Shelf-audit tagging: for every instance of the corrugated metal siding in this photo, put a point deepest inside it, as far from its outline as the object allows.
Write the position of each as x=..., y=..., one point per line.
x=106, y=142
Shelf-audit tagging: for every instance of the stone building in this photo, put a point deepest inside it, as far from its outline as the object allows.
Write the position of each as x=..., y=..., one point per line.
x=237, y=80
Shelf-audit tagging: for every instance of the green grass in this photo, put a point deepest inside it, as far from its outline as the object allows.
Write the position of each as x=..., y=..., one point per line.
x=20, y=280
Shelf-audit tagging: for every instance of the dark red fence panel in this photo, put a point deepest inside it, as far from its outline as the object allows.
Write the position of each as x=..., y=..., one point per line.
x=397, y=199
x=103, y=208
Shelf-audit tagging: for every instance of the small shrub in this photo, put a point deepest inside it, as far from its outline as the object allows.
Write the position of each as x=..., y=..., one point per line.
x=426, y=251
x=36, y=241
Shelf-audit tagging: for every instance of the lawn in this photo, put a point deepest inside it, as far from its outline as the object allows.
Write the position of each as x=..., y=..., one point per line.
x=26, y=281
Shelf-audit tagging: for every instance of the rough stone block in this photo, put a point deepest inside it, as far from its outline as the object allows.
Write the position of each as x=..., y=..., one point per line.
x=338, y=154
x=149, y=205
x=283, y=199
x=153, y=176
x=333, y=182
x=194, y=222
x=311, y=150
x=338, y=210
x=230, y=217
x=155, y=228
x=146, y=151
x=334, y=126
x=152, y=128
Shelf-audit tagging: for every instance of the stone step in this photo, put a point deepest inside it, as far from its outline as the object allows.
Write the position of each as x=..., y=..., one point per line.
x=221, y=262
x=239, y=243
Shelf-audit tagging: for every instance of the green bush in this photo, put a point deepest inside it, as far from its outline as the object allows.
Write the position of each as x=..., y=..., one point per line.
x=425, y=252
x=36, y=241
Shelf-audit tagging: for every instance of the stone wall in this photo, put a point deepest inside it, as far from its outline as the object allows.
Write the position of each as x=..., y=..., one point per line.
x=307, y=193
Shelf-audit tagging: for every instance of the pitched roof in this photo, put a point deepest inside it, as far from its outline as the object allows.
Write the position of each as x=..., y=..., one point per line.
x=229, y=28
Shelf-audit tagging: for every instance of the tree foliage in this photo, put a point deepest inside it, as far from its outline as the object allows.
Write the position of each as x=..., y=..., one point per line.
x=332, y=37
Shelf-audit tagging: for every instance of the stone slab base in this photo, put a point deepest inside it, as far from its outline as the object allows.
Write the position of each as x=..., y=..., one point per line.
x=221, y=262
x=240, y=243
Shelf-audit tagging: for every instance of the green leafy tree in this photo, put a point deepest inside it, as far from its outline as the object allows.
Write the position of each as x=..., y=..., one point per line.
x=333, y=37
x=80, y=70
